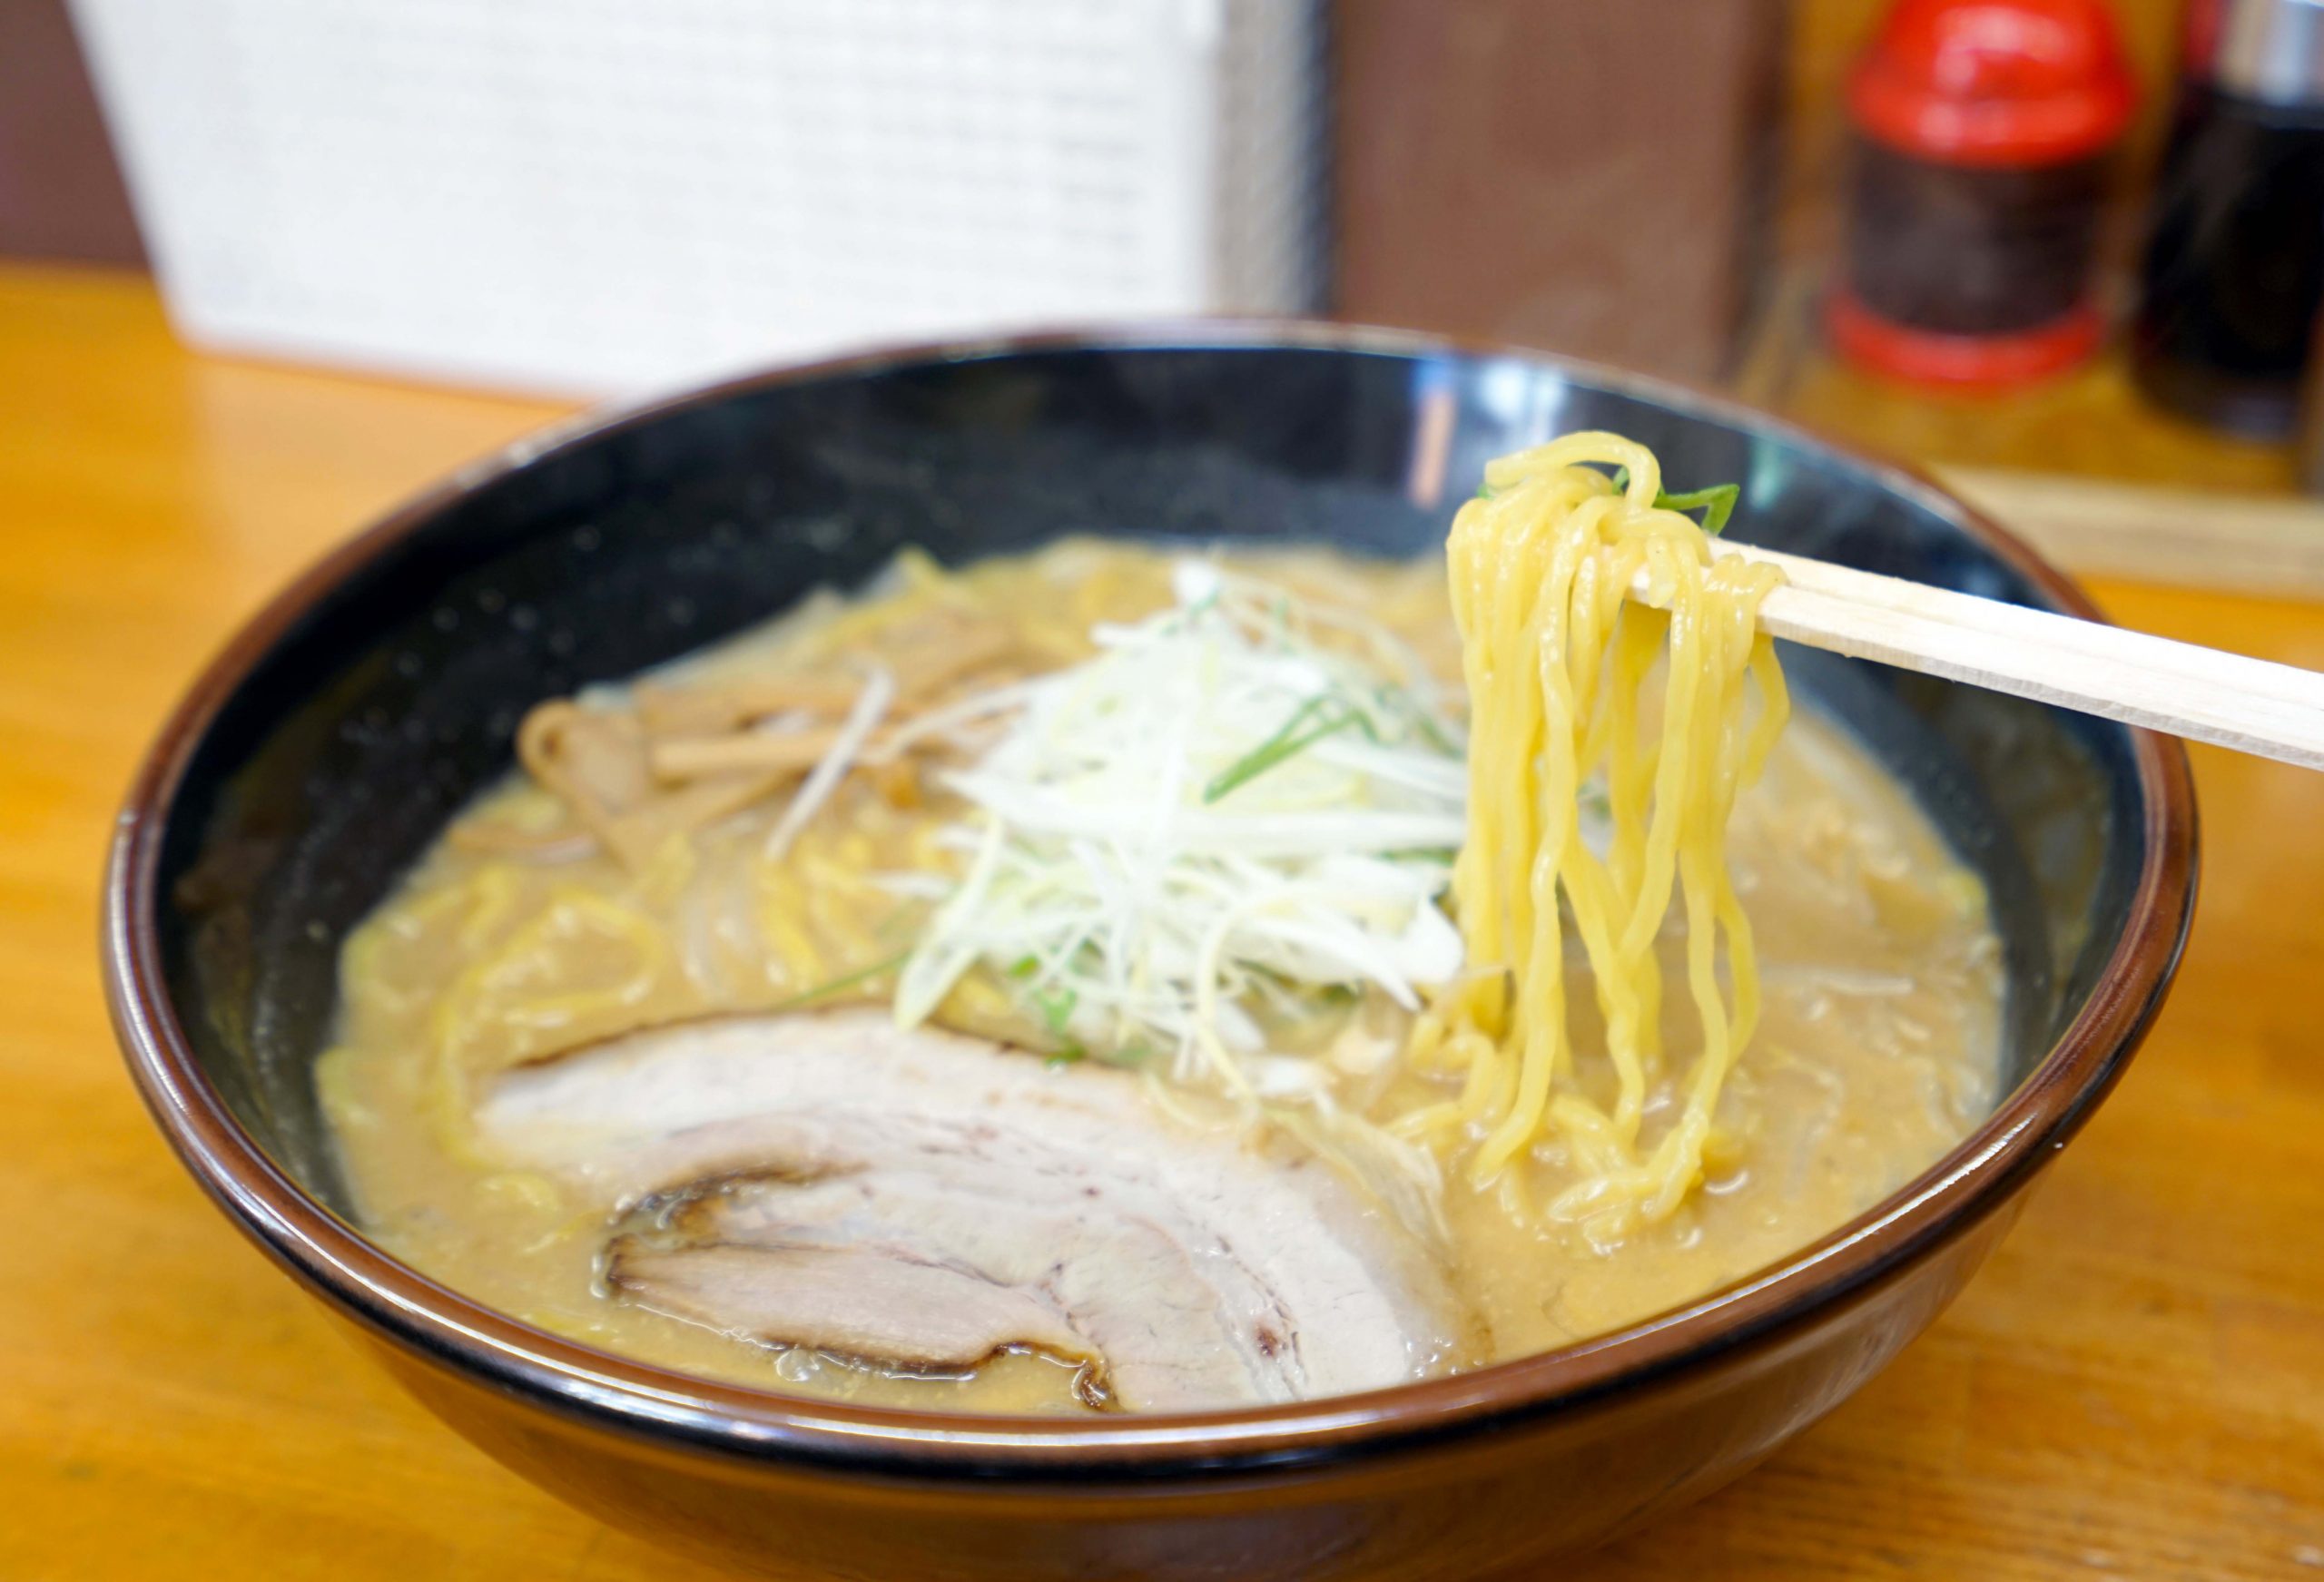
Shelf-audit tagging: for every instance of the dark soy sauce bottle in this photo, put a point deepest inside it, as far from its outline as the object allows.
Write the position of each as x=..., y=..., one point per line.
x=2234, y=264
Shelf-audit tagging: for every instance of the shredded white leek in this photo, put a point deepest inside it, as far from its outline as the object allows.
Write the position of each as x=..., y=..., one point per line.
x=871, y=708
x=1238, y=808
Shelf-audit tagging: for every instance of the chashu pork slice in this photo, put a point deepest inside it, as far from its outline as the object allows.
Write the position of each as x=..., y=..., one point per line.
x=924, y=1200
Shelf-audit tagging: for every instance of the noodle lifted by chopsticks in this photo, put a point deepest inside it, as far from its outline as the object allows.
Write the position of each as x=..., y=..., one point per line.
x=1557, y=660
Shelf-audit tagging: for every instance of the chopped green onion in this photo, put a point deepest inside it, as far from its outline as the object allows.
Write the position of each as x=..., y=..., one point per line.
x=1391, y=700
x=840, y=985
x=1433, y=734
x=1055, y=1007
x=1717, y=503
x=1288, y=740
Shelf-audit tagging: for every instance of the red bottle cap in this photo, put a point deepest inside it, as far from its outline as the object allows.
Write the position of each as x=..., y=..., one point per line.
x=1929, y=357
x=1994, y=83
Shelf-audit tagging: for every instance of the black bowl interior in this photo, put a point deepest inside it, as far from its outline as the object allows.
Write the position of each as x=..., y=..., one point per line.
x=394, y=696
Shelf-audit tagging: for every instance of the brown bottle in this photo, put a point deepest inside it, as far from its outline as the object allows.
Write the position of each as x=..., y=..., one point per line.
x=2233, y=271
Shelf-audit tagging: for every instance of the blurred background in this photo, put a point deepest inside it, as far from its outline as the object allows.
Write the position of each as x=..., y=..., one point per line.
x=2069, y=251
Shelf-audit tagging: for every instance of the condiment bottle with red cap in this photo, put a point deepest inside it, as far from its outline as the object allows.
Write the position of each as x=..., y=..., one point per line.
x=1985, y=131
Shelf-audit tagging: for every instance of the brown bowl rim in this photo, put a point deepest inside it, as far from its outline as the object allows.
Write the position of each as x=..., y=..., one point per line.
x=334, y=1259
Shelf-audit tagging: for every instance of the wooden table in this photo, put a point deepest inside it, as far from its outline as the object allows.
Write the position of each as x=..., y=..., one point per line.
x=2135, y=1386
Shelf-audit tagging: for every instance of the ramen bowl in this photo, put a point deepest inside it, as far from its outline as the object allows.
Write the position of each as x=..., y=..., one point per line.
x=342, y=727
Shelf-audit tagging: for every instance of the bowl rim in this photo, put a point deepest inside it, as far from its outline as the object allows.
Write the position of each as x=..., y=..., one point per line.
x=1972, y=1180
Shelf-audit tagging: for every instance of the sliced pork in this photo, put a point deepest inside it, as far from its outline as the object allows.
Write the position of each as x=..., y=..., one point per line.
x=922, y=1199
x=861, y=1302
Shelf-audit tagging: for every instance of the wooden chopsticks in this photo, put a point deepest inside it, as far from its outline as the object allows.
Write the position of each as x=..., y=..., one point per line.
x=2253, y=706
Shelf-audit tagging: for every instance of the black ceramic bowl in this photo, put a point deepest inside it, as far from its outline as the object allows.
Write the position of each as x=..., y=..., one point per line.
x=337, y=734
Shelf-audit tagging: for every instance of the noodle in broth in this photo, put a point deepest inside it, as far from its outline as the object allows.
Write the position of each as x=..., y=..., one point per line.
x=1557, y=657
x=1188, y=830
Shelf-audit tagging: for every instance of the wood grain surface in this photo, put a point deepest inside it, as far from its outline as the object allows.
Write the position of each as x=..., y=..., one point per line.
x=2134, y=1388
x=2236, y=540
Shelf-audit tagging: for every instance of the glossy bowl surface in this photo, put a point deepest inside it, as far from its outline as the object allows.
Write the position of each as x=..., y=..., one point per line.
x=333, y=737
